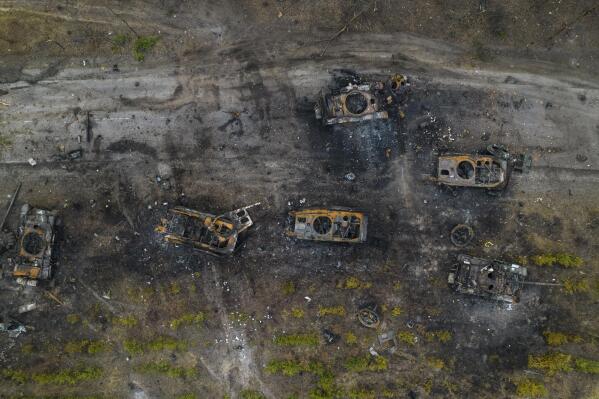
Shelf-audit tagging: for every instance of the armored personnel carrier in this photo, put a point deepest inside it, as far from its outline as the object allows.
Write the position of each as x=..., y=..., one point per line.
x=216, y=235
x=492, y=279
x=335, y=225
x=35, y=239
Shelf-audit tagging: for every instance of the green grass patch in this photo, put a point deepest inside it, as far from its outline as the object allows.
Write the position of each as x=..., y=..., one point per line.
x=188, y=319
x=407, y=337
x=125, y=321
x=239, y=317
x=119, y=42
x=527, y=388
x=576, y=286
x=289, y=288
x=361, y=394
x=436, y=363
x=559, y=259
x=350, y=338
x=68, y=376
x=165, y=368
x=251, y=394
x=366, y=363
x=331, y=311
x=551, y=362
x=557, y=338
x=587, y=366
x=121, y=39
x=73, y=318
x=90, y=347
x=326, y=388
x=353, y=283
x=16, y=376
x=298, y=313
x=5, y=142
x=133, y=347
x=187, y=396
x=297, y=340
x=142, y=45
x=291, y=368
x=166, y=343
x=442, y=336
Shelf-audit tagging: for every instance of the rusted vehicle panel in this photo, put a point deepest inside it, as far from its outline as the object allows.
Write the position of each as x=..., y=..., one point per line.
x=336, y=225
x=216, y=235
x=485, y=171
x=491, y=279
x=353, y=103
x=36, y=238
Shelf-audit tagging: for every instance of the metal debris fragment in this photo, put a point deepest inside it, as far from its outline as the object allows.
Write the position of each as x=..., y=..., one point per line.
x=461, y=235
x=368, y=317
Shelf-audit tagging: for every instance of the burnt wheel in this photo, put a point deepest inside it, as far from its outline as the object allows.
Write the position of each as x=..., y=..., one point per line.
x=356, y=103
x=461, y=235
x=368, y=318
x=322, y=224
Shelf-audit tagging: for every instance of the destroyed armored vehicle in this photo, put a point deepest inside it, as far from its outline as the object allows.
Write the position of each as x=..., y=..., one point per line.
x=216, y=235
x=358, y=101
x=483, y=171
x=490, y=170
x=491, y=279
x=336, y=225
x=36, y=239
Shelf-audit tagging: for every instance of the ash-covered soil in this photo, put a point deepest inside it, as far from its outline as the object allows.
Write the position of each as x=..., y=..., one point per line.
x=221, y=108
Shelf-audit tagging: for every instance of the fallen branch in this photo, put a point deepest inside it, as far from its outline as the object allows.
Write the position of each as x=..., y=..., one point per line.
x=569, y=24
x=336, y=35
x=54, y=297
x=4, y=103
x=123, y=20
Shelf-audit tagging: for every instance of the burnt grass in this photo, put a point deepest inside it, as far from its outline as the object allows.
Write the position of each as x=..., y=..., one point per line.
x=408, y=244
x=116, y=281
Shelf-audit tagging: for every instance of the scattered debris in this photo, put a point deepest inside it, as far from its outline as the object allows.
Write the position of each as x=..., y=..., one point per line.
x=27, y=308
x=519, y=162
x=368, y=317
x=69, y=156
x=12, y=202
x=216, y=235
x=388, y=342
x=7, y=241
x=335, y=224
x=491, y=279
x=13, y=328
x=350, y=176
x=461, y=235
x=36, y=243
x=330, y=337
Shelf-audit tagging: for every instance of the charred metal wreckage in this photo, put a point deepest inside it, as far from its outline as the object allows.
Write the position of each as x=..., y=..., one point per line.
x=359, y=100
x=491, y=170
x=35, y=241
x=491, y=279
x=216, y=235
x=335, y=224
